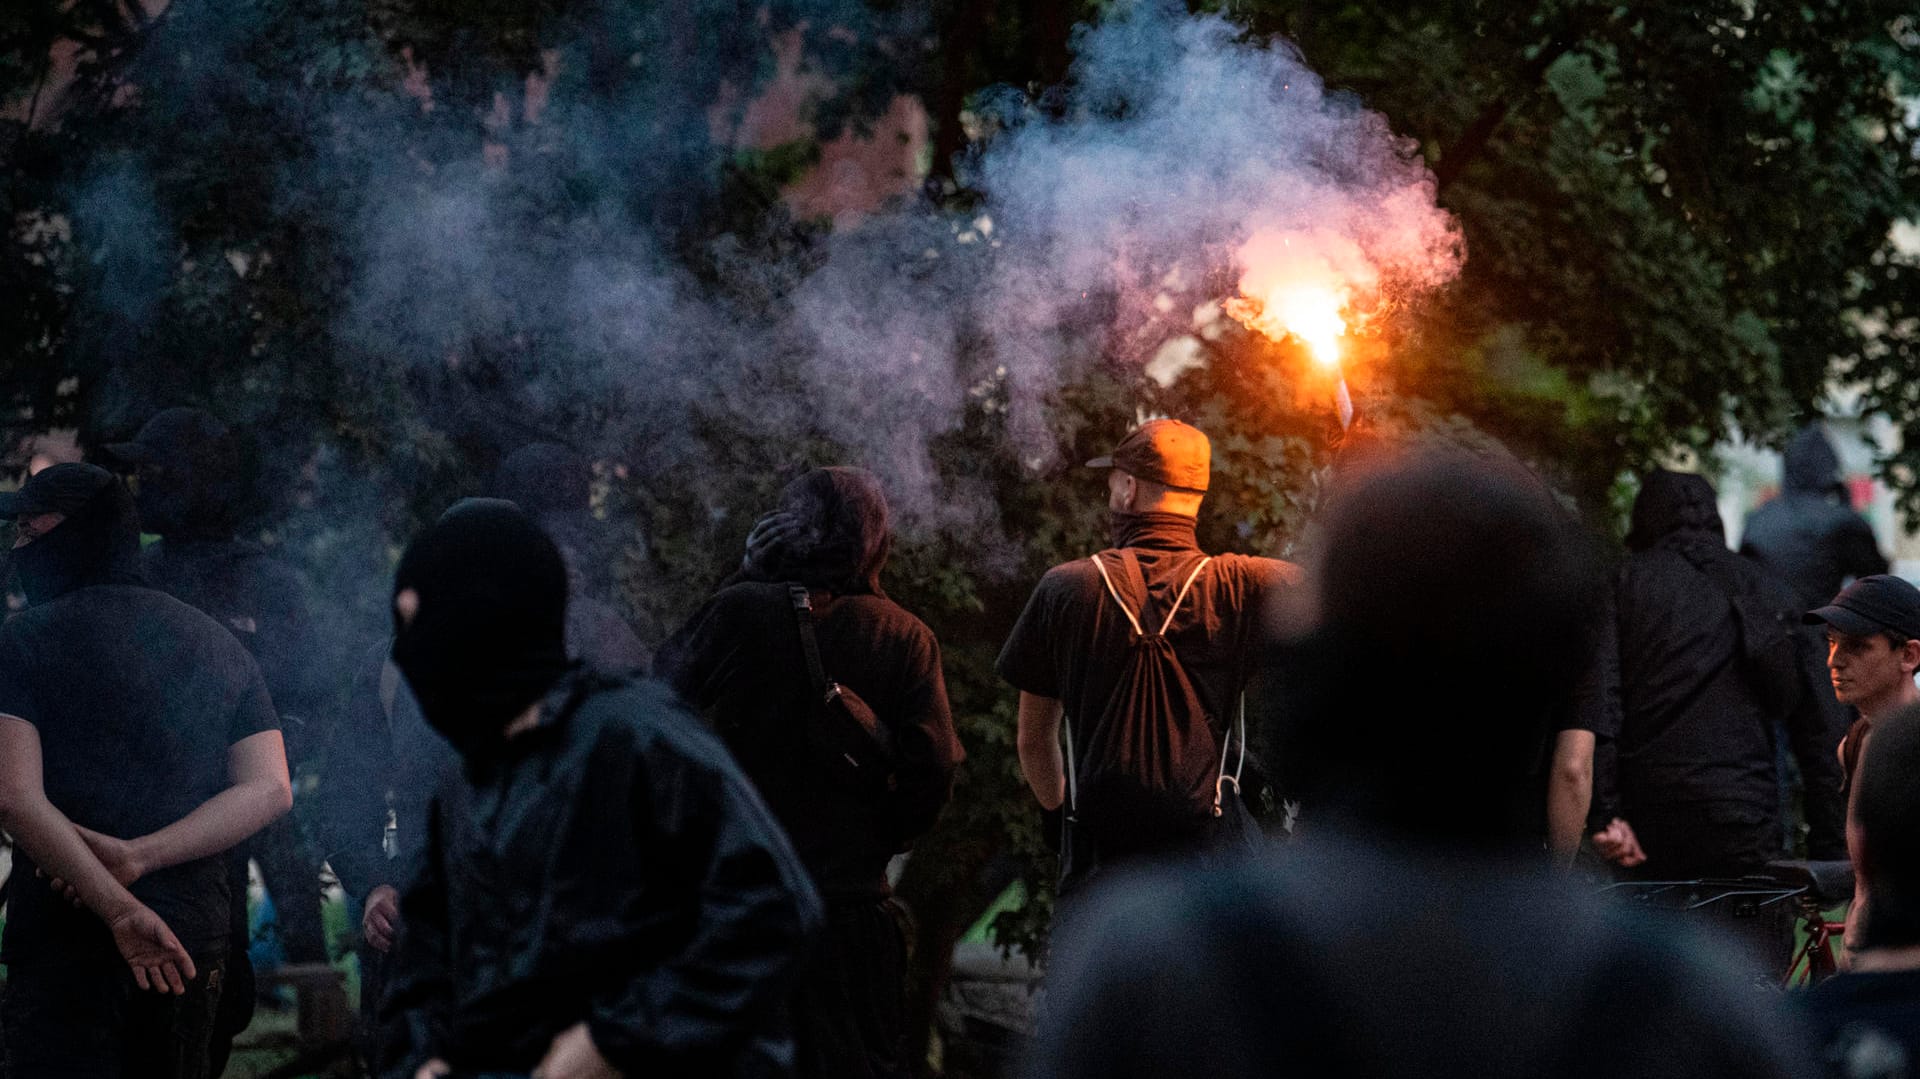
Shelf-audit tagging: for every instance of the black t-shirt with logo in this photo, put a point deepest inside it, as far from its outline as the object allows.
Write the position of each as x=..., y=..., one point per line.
x=136, y=697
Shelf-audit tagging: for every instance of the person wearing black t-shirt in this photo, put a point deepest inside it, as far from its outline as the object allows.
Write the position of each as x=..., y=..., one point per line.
x=1067, y=653
x=137, y=744
x=1867, y=1020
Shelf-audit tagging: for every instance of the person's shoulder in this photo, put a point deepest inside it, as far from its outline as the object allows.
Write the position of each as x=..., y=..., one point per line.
x=1259, y=569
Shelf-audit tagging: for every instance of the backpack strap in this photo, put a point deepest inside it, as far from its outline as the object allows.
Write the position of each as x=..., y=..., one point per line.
x=823, y=688
x=1226, y=743
x=1133, y=564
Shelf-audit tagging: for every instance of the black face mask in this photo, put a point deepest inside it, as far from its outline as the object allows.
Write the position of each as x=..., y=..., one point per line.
x=98, y=544
x=490, y=635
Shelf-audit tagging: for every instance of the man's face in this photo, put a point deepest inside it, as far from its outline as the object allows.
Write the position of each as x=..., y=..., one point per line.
x=32, y=526
x=1120, y=491
x=1866, y=667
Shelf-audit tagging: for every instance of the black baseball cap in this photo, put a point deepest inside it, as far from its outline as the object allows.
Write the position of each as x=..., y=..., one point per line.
x=1881, y=603
x=1164, y=451
x=62, y=488
x=172, y=434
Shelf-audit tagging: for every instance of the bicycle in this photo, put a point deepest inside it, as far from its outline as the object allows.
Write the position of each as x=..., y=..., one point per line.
x=1766, y=910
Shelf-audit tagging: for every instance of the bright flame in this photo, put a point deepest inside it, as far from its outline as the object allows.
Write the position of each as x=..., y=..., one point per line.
x=1300, y=285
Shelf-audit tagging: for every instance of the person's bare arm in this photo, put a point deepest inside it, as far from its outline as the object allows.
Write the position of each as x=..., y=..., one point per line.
x=51, y=840
x=1037, y=739
x=1569, y=794
x=258, y=792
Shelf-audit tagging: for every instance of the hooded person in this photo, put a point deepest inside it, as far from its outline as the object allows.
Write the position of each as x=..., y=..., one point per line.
x=806, y=614
x=138, y=745
x=1411, y=926
x=599, y=886
x=1809, y=536
x=1702, y=665
x=552, y=484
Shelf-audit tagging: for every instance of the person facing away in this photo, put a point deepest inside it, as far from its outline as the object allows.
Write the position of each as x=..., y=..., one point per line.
x=1699, y=666
x=1872, y=654
x=743, y=661
x=1809, y=536
x=1411, y=926
x=1143, y=653
x=601, y=891
x=137, y=745
x=1867, y=1020
x=190, y=489
x=553, y=485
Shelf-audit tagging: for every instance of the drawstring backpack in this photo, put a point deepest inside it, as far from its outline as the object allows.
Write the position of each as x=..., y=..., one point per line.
x=1152, y=771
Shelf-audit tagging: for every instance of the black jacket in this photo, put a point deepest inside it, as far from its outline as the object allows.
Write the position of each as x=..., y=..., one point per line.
x=739, y=661
x=611, y=866
x=1809, y=536
x=1700, y=663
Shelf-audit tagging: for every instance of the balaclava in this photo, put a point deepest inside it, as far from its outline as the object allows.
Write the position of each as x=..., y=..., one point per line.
x=191, y=479
x=98, y=543
x=490, y=635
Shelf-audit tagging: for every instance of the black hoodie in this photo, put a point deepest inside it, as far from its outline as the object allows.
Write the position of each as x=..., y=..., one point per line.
x=1703, y=664
x=1809, y=536
x=137, y=698
x=739, y=660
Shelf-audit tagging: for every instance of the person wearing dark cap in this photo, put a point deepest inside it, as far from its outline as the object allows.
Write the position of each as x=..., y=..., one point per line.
x=190, y=490
x=138, y=745
x=1153, y=763
x=1701, y=665
x=805, y=612
x=601, y=892
x=1873, y=650
x=1867, y=1020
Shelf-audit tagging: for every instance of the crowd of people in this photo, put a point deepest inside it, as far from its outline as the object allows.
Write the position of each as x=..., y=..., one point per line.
x=576, y=857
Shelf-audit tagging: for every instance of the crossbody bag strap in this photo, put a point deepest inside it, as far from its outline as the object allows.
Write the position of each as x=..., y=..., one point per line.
x=823, y=688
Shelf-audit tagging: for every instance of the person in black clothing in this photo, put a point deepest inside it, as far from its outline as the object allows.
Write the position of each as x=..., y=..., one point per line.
x=137, y=745
x=187, y=465
x=1068, y=650
x=1809, y=536
x=1868, y=1020
x=1411, y=927
x=601, y=890
x=742, y=661
x=1704, y=663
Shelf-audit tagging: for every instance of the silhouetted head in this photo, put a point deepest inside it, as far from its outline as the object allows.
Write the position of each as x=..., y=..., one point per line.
x=188, y=468
x=1446, y=621
x=75, y=527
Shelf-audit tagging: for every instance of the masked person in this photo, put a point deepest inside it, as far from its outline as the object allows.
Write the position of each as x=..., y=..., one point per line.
x=600, y=890
x=1145, y=652
x=1703, y=668
x=190, y=488
x=137, y=746
x=756, y=662
x=1411, y=927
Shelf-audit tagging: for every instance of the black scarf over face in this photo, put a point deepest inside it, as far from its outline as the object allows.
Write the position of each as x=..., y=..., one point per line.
x=489, y=638
x=97, y=544
x=844, y=536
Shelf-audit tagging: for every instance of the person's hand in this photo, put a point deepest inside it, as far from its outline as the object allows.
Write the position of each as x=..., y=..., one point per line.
x=120, y=856
x=60, y=887
x=381, y=917
x=1617, y=844
x=574, y=1056
x=433, y=1069
x=159, y=962
x=770, y=531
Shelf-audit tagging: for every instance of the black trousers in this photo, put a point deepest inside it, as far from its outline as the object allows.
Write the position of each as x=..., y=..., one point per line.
x=87, y=1019
x=850, y=1008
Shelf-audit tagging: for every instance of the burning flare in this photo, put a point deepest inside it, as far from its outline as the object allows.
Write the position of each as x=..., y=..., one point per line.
x=1300, y=289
